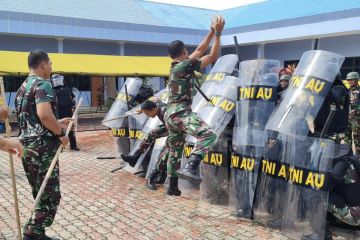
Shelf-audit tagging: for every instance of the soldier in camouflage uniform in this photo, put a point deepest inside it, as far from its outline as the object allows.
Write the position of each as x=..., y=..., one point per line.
x=152, y=109
x=179, y=118
x=40, y=133
x=344, y=199
x=353, y=133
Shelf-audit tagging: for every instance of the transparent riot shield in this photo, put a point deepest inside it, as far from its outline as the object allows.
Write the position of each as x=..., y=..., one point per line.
x=294, y=186
x=151, y=124
x=120, y=106
x=137, y=121
x=307, y=90
x=214, y=172
x=223, y=67
x=159, y=147
x=218, y=112
x=255, y=102
x=188, y=189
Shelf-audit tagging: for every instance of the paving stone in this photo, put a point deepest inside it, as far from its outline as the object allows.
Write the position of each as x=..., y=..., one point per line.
x=103, y=206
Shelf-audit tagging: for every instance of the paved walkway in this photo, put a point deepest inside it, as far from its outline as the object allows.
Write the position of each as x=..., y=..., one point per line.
x=99, y=205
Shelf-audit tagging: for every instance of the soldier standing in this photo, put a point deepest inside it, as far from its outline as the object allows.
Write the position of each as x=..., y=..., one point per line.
x=179, y=118
x=65, y=104
x=40, y=133
x=353, y=133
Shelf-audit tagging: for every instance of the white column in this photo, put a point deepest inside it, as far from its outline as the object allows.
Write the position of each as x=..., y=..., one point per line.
x=121, y=48
x=261, y=50
x=121, y=80
x=60, y=42
x=313, y=41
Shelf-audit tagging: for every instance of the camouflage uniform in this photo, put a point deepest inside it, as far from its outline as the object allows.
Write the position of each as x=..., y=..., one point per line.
x=353, y=132
x=346, y=214
x=160, y=131
x=179, y=118
x=40, y=146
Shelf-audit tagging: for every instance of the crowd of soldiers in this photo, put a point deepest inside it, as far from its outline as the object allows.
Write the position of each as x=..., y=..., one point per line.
x=41, y=132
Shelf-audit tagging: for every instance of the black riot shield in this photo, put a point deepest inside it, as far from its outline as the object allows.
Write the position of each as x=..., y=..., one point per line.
x=293, y=189
x=151, y=124
x=223, y=67
x=214, y=172
x=307, y=90
x=255, y=102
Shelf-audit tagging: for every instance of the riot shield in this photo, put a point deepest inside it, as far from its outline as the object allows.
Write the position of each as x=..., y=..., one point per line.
x=214, y=172
x=120, y=106
x=255, y=102
x=188, y=189
x=151, y=124
x=299, y=173
x=137, y=121
x=309, y=85
x=218, y=112
x=159, y=147
x=223, y=67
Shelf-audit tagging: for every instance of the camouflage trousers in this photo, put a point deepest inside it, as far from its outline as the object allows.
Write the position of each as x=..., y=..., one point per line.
x=344, y=202
x=353, y=133
x=159, y=132
x=36, y=161
x=179, y=125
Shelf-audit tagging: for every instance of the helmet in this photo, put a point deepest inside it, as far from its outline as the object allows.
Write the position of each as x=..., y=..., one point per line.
x=352, y=75
x=285, y=77
x=57, y=80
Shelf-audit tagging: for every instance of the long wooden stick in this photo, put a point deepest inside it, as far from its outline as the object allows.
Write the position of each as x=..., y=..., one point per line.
x=119, y=117
x=54, y=161
x=11, y=162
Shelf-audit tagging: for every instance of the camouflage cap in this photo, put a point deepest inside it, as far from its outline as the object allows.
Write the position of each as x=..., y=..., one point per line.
x=352, y=75
x=285, y=77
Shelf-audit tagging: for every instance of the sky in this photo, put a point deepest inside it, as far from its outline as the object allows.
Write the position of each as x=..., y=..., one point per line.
x=210, y=4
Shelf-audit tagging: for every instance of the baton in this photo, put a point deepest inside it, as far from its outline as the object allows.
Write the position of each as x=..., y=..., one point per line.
x=54, y=161
x=237, y=48
x=202, y=93
x=119, y=117
x=198, y=88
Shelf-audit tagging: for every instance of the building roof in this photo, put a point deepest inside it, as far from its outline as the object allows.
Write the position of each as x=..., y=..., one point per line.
x=125, y=11
x=168, y=15
x=278, y=10
x=152, y=22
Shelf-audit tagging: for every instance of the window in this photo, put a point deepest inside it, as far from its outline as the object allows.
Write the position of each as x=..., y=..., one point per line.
x=351, y=64
x=290, y=62
x=13, y=83
x=81, y=82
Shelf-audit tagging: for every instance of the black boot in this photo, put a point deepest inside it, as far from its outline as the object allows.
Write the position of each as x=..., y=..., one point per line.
x=132, y=160
x=173, y=189
x=161, y=179
x=151, y=179
x=191, y=170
